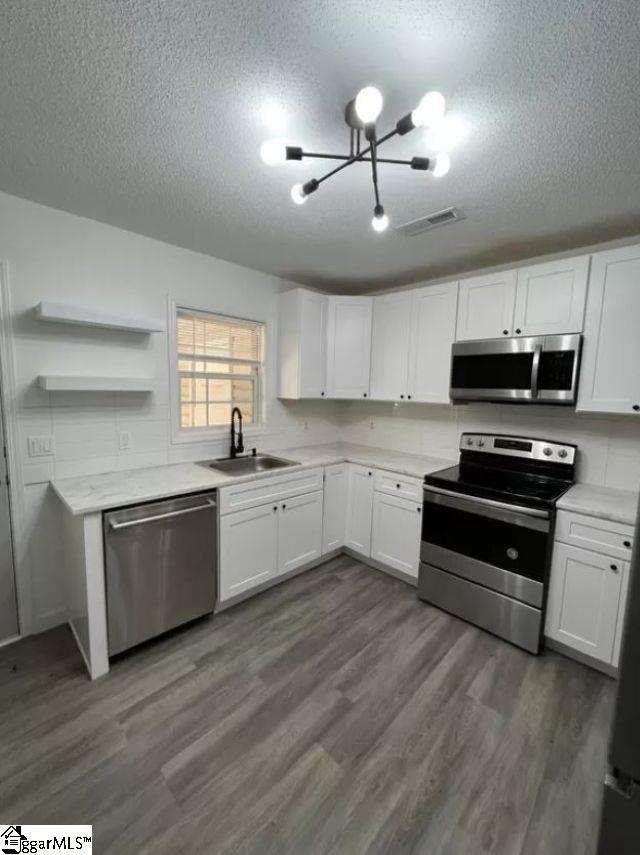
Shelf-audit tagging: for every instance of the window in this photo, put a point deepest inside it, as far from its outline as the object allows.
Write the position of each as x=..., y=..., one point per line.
x=220, y=363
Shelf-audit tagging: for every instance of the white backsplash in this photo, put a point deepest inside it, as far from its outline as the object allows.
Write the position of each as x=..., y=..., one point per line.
x=609, y=449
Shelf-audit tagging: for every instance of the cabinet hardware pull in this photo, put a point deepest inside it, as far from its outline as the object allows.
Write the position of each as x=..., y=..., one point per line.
x=518, y=332
x=398, y=486
x=614, y=567
x=275, y=507
x=284, y=507
x=505, y=332
x=418, y=509
x=322, y=394
x=627, y=543
x=409, y=397
x=369, y=474
x=364, y=394
x=402, y=396
x=636, y=407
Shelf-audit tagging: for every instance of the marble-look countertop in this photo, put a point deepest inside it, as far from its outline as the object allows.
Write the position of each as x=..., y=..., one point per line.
x=605, y=503
x=92, y=493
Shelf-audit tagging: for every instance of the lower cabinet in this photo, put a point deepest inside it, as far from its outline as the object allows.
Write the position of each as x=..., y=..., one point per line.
x=336, y=492
x=299, y=531
x=359, y=509
x=260, y=544
x=585, y=608
x=248, y=550
x=395, y=533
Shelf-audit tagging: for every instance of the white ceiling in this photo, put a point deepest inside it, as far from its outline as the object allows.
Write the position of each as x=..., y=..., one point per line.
x=148, y=115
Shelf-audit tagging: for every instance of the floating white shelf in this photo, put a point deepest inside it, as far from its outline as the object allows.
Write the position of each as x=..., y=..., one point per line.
x=80, y=383
x=64, y=313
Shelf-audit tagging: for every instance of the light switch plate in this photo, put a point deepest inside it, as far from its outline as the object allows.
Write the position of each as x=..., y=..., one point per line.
x=124, y=440
x=40, y=446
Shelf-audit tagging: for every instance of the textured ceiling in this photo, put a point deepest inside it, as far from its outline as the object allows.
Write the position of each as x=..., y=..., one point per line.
x=148, y=114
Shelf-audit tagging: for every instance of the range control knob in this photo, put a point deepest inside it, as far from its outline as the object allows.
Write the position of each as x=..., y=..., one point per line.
x=562, y=453
x=469, y=441
x=547, y=451
x=481, y=443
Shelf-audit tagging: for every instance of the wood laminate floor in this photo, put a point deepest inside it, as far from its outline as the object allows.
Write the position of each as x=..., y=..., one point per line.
x=335, y=713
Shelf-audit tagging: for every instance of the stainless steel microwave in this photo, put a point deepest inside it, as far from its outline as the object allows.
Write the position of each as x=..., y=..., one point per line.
x=528, y=370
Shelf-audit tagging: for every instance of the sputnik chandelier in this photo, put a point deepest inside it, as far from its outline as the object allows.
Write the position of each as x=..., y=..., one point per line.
x=360, y=115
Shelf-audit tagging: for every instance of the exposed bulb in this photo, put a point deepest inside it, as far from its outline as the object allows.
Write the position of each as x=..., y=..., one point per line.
x=380, y=222
x=273, y=152
x=429, y=111
x=368, y=104
x=441, y=165
x=298, y=195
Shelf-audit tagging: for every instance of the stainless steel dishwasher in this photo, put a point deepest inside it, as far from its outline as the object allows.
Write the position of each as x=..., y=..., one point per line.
x=160, y=567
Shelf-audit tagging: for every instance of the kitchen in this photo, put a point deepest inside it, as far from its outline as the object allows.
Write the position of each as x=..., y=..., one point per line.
x=415, y=446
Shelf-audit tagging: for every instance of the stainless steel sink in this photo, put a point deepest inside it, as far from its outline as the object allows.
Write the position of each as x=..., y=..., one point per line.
x=247, y=465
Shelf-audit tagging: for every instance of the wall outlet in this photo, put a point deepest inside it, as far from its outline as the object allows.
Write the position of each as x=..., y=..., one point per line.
x=371, y=425
x=124, y=440
x=40, y=446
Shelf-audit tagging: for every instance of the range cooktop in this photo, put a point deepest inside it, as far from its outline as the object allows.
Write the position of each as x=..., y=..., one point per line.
x=517, y=470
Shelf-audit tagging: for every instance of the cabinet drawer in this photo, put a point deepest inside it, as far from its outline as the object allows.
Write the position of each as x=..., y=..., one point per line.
x=608, y=538
x=398, y=485
x=249, y=494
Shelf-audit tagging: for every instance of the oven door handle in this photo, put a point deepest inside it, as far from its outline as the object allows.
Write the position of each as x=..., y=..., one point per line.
x=465, y=501
x=535, y=368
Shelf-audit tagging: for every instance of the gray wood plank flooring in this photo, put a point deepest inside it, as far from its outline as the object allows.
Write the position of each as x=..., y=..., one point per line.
x=335, y=713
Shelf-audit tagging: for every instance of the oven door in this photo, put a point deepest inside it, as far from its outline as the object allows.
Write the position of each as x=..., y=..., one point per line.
x=534, y=369
x=500, y=546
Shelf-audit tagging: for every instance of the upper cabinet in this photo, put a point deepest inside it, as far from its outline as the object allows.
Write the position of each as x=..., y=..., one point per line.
x=610, y=375
x=411, y=344
x=433, y=329
x=390, y=346
x=542, y=299
x=486, y=306
x=349, y=346
x=550, y=298
x=302, y=362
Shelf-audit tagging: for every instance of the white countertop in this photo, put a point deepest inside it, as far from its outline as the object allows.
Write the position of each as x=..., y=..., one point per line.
x=92, y=493
x=605, y=503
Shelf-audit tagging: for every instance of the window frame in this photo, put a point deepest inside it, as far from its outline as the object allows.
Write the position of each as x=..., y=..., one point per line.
x=207, y=434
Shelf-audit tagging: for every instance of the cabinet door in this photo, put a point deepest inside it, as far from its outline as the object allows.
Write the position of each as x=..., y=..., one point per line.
x=395, y=533
x=550, y=298
x=390, y=346
x=248, y=550
x=584, y=595
x=313, y=345
x=625, y=569
x=336, y=491
x=349, y=347
x=359, y=509
x=302, y=340
x=299, y=531
x=433, y=331
x=486, y=305
x=609, y=377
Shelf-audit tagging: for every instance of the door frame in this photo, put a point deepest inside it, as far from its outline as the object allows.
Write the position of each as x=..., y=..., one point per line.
x=8, y=393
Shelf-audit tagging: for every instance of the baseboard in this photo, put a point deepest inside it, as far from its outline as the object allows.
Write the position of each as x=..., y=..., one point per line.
x=265, y=586
x=10, y=640
x=384, y=568
x=582, y=658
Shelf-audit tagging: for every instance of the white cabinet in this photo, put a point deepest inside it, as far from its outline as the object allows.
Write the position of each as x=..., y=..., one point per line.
x=486, y=306
x=299, y=531
x=302, y=344
x=248, y=550
x=584, y=600
x=349, y=347
x=395, y=537
x=433, y=330
x=610, y=374
x=336, y=492
x=390, y=346
x=359, y=509
x=550, y=297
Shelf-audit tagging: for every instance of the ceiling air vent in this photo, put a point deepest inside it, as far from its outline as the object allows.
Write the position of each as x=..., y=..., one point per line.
x=431, y=221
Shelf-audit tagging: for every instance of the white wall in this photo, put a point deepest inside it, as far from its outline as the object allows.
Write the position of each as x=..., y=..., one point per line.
x=56, y=256
x=609, y=448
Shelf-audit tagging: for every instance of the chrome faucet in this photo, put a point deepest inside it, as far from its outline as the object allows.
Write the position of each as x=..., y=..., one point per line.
x=236, y=448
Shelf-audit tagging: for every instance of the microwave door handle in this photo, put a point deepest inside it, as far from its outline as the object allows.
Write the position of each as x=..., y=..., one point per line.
x=535, y=368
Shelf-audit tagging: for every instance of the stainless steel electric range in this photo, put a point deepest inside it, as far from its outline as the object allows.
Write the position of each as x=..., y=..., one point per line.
x=487, y=532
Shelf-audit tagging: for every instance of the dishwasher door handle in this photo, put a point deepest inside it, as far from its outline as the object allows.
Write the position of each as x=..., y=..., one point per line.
x=117, y=526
